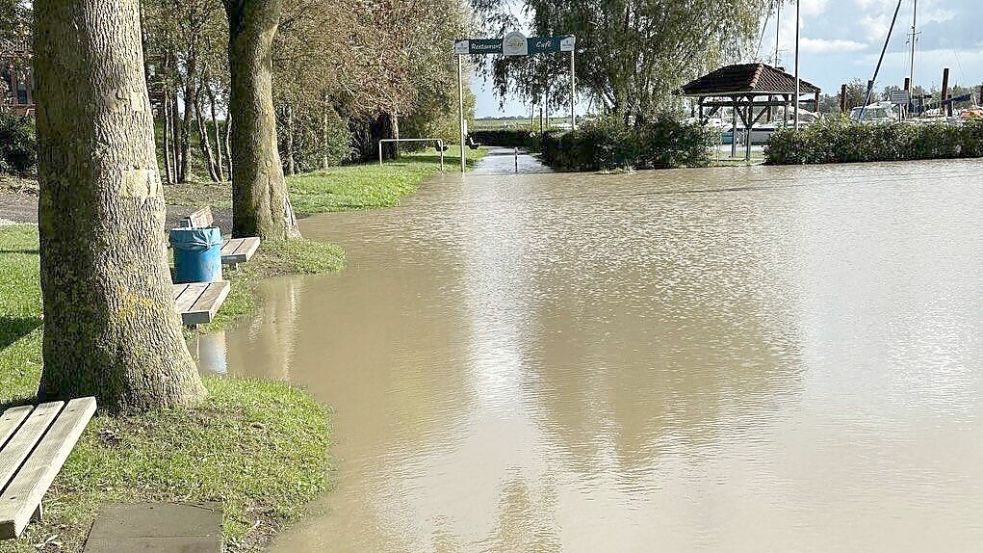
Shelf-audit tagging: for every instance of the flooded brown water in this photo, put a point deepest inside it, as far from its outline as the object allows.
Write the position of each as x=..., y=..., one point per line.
x=739, y=360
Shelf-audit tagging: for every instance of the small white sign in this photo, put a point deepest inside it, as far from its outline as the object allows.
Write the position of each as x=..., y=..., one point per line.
x=568, y=44
x=515, y=44
x=462, y=47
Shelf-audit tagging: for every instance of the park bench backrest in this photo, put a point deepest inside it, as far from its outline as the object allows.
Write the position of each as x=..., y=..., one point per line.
x=199, y=219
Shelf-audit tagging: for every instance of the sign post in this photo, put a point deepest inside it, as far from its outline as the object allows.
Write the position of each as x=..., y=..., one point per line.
x=460, y=98
x=514, y=44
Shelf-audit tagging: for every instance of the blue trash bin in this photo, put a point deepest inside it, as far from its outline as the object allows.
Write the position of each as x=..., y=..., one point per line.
x=197, y=254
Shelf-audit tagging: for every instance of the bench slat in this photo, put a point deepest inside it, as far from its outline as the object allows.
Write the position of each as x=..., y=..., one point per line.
x=206, y=306
x=24, y=440
x=190, y=295
x=239, y=250
x=10, y=422
x=23, y=496
x=229, y=247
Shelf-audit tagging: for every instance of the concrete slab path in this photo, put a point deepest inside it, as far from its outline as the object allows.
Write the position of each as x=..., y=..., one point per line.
x=157, y=528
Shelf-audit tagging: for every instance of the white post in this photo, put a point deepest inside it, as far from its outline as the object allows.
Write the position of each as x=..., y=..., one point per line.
x=798, y=91
x=460, y=97
x=380, y=153
x=440, y=145
x=573, y=89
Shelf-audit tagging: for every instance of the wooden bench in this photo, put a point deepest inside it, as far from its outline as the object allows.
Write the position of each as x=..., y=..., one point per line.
x=34, y=444
x=235, y=250
x=198, y=302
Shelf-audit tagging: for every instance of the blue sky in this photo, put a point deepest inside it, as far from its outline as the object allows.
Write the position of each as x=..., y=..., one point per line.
x=841, y=40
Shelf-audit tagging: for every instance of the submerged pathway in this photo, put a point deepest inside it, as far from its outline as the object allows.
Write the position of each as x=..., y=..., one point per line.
x=655, y=360
x=501, y=161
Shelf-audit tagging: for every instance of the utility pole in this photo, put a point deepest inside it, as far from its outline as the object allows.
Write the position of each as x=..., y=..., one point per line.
x=798, y=89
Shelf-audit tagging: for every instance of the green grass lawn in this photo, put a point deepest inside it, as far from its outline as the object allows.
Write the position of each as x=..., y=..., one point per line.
x=259, y=448
x=343, y=188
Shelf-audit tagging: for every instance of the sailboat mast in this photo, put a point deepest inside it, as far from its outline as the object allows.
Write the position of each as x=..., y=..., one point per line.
x=914, y=39
x=778, y=31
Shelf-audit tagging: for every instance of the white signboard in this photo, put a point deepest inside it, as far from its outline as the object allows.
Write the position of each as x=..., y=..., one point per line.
x=515, y=44
x=462, y=47
x=568, y=44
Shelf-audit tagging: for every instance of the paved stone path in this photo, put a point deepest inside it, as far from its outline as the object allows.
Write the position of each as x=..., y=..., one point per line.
x=157, y=528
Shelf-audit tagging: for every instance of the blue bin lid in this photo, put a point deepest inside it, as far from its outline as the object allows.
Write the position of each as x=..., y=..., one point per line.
x=196, y=238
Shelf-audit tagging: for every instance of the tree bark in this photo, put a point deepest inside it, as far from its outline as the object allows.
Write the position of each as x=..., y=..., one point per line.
x=324, y=134
x=168, y=129
x=190, y=101
x=228, y=142
x=205, y=142
x=176, y=136
x=110, y=328
x=260, y=203
x=220, y=165
x=291, y=161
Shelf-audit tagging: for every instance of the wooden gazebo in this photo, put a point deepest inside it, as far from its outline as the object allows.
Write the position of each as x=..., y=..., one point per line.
x=753, y=90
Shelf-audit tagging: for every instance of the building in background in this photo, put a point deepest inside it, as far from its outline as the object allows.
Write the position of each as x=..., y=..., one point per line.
x=16, y=84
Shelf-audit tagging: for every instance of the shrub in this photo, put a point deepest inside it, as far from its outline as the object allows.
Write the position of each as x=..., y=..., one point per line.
x=838, y=140
x=508, y=138
x=609, y=143
x=18, y=144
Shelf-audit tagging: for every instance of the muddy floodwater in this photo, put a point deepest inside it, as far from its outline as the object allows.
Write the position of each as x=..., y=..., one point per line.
x=721, y=360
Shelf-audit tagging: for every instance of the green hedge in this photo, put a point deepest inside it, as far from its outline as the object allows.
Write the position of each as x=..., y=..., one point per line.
x=838, y=140
x=508, y=139
x=18, y=144
x=609, y=143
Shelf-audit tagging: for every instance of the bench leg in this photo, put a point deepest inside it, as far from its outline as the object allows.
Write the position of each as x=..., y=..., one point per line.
x=38, y=515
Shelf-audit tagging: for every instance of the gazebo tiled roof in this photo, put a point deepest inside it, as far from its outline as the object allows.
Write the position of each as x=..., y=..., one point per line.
x=744, y=79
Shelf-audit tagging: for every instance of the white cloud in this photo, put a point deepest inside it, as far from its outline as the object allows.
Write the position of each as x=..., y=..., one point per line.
x=830, y=46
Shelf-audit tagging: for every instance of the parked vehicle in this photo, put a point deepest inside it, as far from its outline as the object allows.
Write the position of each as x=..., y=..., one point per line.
x=880, y=112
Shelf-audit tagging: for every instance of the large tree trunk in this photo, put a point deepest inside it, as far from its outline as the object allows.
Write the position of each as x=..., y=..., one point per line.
x=260, y=205
x=110, y=328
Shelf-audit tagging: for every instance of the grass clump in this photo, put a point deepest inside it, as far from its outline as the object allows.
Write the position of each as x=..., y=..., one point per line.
x=259, y=448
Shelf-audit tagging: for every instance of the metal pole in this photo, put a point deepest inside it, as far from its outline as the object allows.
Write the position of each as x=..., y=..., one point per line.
x=877, y=70
x=440, y=144
x=573, y=90
x=778, y=32
x=798, y=27
x=460, y=97
x=733, y=142
x=380, y=153
x=914, y=38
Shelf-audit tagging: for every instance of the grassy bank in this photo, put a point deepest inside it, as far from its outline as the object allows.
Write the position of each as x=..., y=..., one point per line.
x=260, y=448
x=345, y=188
